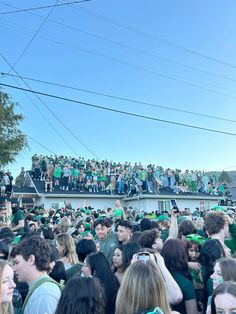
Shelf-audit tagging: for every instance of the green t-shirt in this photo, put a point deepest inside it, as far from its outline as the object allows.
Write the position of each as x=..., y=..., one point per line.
x=187, y=289
x=231, y=243
x=19, y=215
x=75, y=270
x=108, y=246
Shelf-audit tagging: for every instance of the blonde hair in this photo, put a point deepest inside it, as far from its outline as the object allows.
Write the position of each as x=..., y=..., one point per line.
x=142, y=288
x=5, y=308
x=68, y=244
x=64, y=225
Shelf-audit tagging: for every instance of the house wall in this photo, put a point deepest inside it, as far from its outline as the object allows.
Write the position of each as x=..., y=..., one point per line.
x=147, y=204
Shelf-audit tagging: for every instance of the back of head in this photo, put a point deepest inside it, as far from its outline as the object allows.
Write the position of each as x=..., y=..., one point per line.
x=128, y=250
x=145, y=224
x=174, y=253
x=84, y=247
x=215, y=222
x=82, y=296
x=142, y=288
x=211, y=251
x=147, y=238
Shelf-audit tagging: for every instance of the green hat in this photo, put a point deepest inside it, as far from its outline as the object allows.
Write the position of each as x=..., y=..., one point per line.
x=38, y=217
x=162, y=217
x=218, y=208
x=182, y=218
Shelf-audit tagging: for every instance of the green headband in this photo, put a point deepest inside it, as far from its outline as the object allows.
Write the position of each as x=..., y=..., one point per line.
x=195, y=237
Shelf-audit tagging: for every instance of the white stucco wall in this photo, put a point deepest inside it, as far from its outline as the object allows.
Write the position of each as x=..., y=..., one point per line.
x=147, y=203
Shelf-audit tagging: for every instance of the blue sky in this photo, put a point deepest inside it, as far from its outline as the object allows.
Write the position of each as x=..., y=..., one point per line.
x=92, y=51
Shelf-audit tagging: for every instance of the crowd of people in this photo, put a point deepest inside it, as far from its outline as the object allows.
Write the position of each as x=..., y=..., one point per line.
x=79, y=174
x=117, y=261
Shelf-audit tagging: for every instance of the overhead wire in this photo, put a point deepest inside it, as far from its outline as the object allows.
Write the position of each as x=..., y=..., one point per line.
x=34, y=140
x=156, y=38
x=133, y=48
x=51, y=111
x=34, y=36
x=120, y=98
x=42, y=7
x=13, y=66
x=165, y=75
x=118, y=111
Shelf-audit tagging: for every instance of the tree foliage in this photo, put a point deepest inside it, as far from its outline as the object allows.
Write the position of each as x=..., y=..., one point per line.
x=224, y=176
x=12, y=140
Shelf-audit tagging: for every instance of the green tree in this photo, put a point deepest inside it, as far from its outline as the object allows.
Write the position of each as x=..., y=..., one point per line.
x=224, y=176
x=12, y=140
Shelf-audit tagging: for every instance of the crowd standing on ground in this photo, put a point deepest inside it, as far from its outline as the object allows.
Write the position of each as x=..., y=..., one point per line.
x=87, y=261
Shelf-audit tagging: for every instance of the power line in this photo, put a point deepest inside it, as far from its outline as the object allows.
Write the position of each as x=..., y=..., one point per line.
x=132, y=48
x=42, y=7
x=121, y=98
x=55, y=116
x=117, y=111
x=34, y=36
x=165, y=75
x=156, y=38
x=32, y=139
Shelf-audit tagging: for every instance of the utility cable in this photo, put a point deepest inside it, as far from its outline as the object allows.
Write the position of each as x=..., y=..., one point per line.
x=132, y=48
x=35, y=34
x=120, y=98
x=165, y=75
x=42, y=7
x=55, y=116
x=118, y=111
x=156, y=38
x=32, y=139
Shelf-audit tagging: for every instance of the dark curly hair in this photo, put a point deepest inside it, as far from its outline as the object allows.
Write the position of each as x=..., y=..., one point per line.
x=147, y=238
x=37, y=246
x=187, y=227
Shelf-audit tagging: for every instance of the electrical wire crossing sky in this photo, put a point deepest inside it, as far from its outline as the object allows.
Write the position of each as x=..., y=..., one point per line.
x=123, y=80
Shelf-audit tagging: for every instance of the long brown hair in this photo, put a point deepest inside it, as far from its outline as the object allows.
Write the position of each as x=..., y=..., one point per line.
x=142, y=288
x=67, y=242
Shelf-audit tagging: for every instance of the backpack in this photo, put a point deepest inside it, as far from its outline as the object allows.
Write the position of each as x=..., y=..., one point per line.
x=35, y=286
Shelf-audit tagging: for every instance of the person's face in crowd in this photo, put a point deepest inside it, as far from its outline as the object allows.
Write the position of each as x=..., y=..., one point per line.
x=225, y=304
x=59, y=248
x=86, y=269
x=193, y=253
x=157, y=245
x=101, y=232
x=21, y=268
x=117, y=258
x=81, y=228
x=217, y=275
x=123, y=234
x=7, y=284
x=117, y=204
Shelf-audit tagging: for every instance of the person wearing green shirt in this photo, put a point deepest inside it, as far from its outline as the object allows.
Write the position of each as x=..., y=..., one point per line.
x=108, y=241
x=18, y=219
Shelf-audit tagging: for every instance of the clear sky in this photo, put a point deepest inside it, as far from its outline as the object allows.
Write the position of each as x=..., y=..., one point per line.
x=178, y=54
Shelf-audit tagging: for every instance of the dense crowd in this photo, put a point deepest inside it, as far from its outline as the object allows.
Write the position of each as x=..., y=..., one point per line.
x=78, y=174
x=117, y=261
